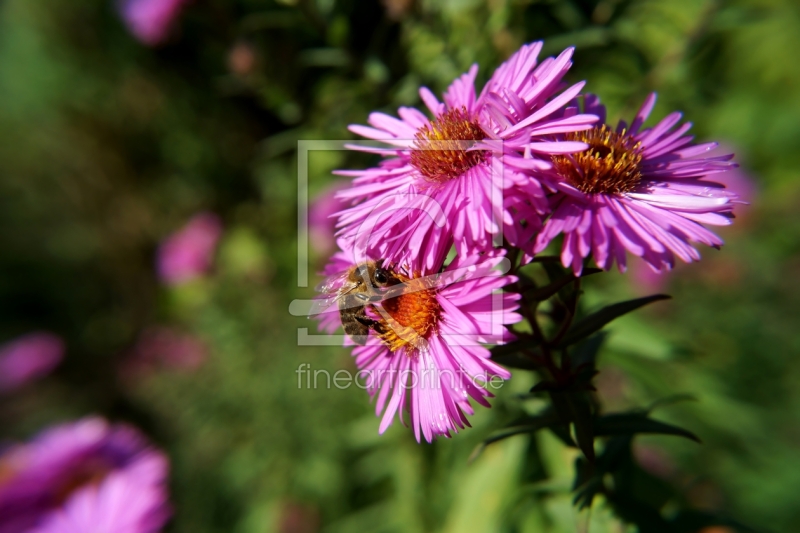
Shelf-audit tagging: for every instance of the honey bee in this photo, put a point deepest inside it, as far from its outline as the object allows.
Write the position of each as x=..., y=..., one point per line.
x=361, y=285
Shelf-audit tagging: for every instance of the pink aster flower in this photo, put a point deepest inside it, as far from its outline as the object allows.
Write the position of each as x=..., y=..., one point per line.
x=642, y=190
x=188, y=254
x=425, y=351
x=81, y=477
x=151, y=20
x=29, y=358
x=464, y=174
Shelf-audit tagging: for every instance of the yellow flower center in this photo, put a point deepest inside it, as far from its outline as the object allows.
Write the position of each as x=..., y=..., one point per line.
x=440, y=149
x=609, y=166
x=413, y=315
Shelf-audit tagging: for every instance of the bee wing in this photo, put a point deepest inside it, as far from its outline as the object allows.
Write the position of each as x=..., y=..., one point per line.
x=322, y=304
x=332, y=289
x=333, y=284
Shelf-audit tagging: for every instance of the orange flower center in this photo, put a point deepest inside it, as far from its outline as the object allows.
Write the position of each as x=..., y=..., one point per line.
x=609, y=166
x=440, y=149
x=7, y=471
x=92, y=472
x=413, y=316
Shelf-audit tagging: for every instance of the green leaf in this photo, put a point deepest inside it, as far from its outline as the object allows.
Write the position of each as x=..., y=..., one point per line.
x=574, y=407
x=616, y=457
x=515, y=360
x=525, y=282
x=632, y=423
x=669, y=400
x=543, y=293
x=519, y=345
x=584, y=495
x=529, y=424
x=556, y=272
x=561, y=432
x=598, y=319
x=586, y=352
x=547, y=259
x=647, y=519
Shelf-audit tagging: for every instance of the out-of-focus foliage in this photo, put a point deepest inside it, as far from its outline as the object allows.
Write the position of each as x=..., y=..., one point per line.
x=107, y=146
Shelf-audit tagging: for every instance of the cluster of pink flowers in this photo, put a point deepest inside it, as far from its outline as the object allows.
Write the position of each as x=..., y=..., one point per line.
x=91, y=475
x=526, y=159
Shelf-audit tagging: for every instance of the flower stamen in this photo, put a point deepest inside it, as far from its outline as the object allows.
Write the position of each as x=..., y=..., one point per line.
x=440, y=149
x=609, y=166
x=413, y=316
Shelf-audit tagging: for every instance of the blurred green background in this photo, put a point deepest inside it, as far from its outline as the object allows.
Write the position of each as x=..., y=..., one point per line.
x=108, y=146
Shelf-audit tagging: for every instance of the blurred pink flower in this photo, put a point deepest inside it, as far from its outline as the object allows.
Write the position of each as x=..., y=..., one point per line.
x=28, y=358
x=321, y=225
x=151, y=20
x=164, y=347
x=188, y=253
x=84, y=476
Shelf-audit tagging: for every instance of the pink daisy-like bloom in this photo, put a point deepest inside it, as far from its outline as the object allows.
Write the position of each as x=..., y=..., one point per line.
x=634, y=189
x=29, y=358
x=84, y=477
x=464, y=174
x=427, y=354
x=150, y=21
x=188, y=254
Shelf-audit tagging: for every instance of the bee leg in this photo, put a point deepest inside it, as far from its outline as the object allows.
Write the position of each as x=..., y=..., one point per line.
x=374, y=325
